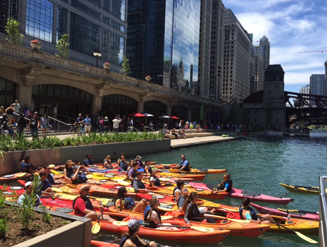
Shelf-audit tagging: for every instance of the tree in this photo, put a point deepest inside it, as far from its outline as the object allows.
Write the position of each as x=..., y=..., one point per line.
x=14, y=36
x=126, y=70
x=62, y=47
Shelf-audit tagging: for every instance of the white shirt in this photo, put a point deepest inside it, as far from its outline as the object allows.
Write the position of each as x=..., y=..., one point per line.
x=116, y=123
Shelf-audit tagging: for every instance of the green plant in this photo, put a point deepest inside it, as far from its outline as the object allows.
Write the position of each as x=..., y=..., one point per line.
x=14, y=37
x=2, y=200
x=62, y=47
x=126, y=70
x=26, y=210
x=46, y=215
x=3, y=228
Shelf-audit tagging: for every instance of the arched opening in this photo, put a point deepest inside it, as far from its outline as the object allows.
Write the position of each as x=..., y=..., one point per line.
x=155, y=108
x=70, y=100
x=7, y=93
x=117, y=104
x=179, y=111
x=195, y=115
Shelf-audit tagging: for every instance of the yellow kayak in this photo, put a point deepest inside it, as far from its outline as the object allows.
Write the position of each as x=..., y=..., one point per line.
x=301, y=189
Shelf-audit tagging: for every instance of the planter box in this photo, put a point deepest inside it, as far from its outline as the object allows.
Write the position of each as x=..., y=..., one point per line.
x=10, y=162
x=63, y=236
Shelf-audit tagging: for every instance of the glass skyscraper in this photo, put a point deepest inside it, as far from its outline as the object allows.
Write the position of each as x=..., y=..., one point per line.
x=163, y=41
x=90, y=24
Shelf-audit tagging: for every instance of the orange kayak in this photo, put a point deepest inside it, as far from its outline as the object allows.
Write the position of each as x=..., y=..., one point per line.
x=184, y=234
x=14, y=177
x=96, y=243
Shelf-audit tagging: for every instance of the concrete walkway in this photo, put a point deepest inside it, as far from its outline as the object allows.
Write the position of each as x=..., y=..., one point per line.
x=179, y=143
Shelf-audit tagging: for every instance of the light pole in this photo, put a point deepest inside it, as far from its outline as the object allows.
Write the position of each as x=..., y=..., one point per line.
x=97, y=54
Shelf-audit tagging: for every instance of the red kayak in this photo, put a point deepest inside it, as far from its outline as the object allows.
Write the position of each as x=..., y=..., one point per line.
x=301, y=215
x=95, y=243
x=240, y=194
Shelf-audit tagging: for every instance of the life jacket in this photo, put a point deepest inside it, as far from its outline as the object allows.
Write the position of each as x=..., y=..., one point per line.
x=70, y=172
x=50, y=179
x=139, y=183
x=230, y=182
x=123, y=166
x=87, y=202
x=254, y=216
x=135, y=241
x=24, y=165
x=156, y=182
x=175, y=214
x=133, y=174
x=146, y=215
x=81, y=178
x=149, y=169
x=194, y=213
x=129, y=202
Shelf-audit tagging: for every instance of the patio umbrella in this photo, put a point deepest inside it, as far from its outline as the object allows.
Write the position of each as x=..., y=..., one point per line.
x=146, y=117
x=164, y=117
x=173, y=117
x=139, y=115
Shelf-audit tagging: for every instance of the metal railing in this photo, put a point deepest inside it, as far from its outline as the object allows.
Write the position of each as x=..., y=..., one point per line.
x=132, y=128
x=146, y=128
x=322, y=212
x=59, y=122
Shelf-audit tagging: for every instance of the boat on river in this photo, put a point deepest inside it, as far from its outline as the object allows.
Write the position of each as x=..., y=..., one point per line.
x=301, y=189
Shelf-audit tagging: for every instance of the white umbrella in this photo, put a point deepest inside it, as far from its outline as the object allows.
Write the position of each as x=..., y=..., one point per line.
x=164, y=117
x=146, y=117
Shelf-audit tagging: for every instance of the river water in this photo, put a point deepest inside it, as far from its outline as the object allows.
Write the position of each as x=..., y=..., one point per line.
x=259, y=165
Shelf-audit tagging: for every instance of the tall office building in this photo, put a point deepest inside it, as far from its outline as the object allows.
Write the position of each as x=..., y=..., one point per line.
x=217, y=50
x=90, y=25
x=318, y=84
x=238, y=60
x=305, y=89
x=265, y=51
x=259, y=72
x=163, y=41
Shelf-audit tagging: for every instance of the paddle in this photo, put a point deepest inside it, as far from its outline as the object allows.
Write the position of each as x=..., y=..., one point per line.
x=310, y=240
x=174, y=170
x=297, y=211
x=96, y=227
x=197, y=228
x=225, y=218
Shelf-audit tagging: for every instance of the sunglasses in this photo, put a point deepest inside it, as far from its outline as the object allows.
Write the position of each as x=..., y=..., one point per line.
x=86, y=190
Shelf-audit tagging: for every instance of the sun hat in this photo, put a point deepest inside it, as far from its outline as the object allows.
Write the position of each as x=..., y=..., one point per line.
x=70, y=162
x=28, y=184
x=84, y=187
x=133, y=224
x=138, y=157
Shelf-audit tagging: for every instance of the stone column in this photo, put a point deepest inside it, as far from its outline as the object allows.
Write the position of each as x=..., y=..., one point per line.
x=24, y=94
x=168, y=110
x=189, y=114
x=96, y=105
x=140, y=106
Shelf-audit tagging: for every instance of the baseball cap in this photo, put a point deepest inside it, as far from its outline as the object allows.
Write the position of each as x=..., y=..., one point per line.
x=28, y=184
x=133, y=224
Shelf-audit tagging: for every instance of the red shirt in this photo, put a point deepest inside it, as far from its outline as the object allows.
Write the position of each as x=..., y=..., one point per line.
x=79, y=207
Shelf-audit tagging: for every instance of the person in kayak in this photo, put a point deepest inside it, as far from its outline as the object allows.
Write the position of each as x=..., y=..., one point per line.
x=50, y=177
x=123, y=163
x=178, y=189
x=130, y=238
x=68, y=171
x=127, y=203
x=147, y=167
x=191, y=210
x=27, y=166
x=248, y=213
x=226, y=185
x=88, y=160
x=138, y=159
x=181, y=200
x=152, y=216
x=45, y=186
x=154, y=180
x=79, y=174
x=26, y=197
x=137, y=183
x=83, y=207
x=107, y=162
x=132, y=171
x=184, y=164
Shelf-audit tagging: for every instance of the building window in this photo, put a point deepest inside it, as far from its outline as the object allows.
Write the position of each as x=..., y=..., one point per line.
x=39, y=19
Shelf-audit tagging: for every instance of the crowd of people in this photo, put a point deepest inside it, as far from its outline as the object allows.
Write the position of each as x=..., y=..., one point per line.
x=76, y=172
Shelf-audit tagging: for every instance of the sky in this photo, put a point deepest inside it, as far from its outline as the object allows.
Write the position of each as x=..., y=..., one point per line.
x=292, y=27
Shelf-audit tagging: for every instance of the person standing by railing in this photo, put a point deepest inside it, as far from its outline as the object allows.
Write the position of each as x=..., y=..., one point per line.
x=88, y=125
x=34, y=124
x=45, y=124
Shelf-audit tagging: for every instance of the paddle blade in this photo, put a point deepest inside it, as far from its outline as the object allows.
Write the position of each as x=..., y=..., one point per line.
x=173, y=170
x=21, y=175
x=56, y=189
x=202, y=229
x=306, y=238
x=120, y=223
x=96, y=228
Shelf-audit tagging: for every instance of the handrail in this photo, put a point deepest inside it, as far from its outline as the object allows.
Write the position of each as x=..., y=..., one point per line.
x=322, y=212
x=133, y=128
x=68, y=124
x=148, y=127
x=69, y=118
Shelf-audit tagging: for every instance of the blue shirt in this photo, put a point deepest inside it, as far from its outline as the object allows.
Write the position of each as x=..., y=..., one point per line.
x=185, y=165
x=88, y=162
x=87, y=121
